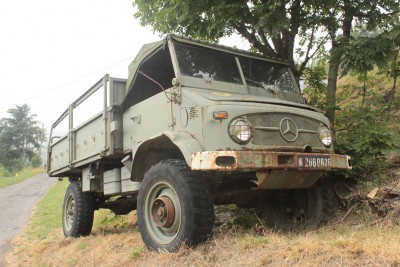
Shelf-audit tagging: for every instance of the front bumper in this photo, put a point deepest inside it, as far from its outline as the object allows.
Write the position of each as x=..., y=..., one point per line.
x=263, y=160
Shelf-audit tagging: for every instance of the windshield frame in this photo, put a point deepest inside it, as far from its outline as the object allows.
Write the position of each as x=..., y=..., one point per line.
x=244, y=88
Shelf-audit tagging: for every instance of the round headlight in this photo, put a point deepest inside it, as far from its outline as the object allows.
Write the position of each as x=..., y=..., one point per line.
x=240, y=130
x=325, y=135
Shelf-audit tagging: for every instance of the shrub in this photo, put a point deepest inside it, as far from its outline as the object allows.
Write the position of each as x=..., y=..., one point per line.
x=366, y=135
x=4, y=172
x=36, y=161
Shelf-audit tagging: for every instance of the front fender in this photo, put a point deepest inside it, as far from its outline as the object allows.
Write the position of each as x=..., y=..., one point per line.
x=186, y=143
x=179, y=143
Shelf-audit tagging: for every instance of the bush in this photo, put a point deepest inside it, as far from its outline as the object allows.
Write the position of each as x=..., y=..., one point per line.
x=366, y=135
x=36, y=161
x=16, y=165
x=4, y=172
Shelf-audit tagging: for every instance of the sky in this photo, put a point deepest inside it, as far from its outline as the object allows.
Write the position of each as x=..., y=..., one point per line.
x=52, y=51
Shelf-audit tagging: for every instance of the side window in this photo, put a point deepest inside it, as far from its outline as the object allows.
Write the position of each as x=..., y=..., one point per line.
x=159, y=68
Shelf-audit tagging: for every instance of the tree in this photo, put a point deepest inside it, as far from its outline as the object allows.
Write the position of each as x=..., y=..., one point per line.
x=20, y=137
x=339, y=18
x=273, y=27
x=366, y=52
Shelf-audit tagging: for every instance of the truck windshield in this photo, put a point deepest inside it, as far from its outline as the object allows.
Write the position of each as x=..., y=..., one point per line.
x=207, y=64
x=268, y=75
x=214, y=65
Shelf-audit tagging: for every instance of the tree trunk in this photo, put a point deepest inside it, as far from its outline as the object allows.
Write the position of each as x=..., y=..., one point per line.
x=335, y=56
x=23, y=153
x=332, y=84
x=395, y=75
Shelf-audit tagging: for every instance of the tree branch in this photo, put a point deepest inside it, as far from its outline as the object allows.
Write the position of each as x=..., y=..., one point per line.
x=308, y=57
x=264, y=49
x=264, y=39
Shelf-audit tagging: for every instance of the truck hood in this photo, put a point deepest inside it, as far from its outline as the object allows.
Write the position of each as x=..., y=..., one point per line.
x=221, y=96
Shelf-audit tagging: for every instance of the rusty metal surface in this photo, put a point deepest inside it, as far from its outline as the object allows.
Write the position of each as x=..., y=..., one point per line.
x=163, y=212
x=255, y=160
x=278, y=179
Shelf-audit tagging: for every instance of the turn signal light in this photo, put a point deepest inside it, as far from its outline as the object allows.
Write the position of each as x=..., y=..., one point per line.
x=220, y=115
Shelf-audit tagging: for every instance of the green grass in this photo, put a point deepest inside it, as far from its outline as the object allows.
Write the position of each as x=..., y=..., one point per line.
x=137, y=252
x=47, y=216
x=19, y=177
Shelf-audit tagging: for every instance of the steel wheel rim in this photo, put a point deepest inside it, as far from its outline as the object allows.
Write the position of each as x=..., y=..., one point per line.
x=69, y=212
x=163, y=232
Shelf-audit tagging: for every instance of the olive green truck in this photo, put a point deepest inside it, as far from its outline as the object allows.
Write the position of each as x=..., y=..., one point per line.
x=194, y=125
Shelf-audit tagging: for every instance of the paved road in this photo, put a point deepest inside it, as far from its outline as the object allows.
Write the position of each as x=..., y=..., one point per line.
x=16, y=204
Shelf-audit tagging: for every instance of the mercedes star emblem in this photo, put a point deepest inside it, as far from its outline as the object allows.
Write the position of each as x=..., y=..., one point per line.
x=288, y=129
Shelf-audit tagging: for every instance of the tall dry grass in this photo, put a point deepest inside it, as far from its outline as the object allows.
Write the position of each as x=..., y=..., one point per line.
x=119, y=244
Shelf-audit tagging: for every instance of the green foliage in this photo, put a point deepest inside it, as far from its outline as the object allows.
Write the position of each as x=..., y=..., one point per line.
x=4, y=172
x=273, y=27
x=20, y=137
x=36, y=161
x=315, y=90
x=246, y=218
x=366, y=135
x=106, y=219
x=366, y=51
x=270, y=27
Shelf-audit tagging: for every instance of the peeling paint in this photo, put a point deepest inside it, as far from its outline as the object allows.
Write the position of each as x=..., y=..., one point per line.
x=255, y=160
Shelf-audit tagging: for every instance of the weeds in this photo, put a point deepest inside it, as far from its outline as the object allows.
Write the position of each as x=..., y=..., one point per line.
x=137, y=252
x=8, y=180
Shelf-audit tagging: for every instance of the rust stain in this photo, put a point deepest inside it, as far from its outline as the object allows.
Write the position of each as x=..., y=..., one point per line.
x=255, y=160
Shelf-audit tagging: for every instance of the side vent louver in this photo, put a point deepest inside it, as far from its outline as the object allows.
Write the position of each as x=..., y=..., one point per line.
x=193, y=112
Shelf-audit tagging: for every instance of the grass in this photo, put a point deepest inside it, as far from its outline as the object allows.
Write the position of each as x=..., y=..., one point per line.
x=115, y=241
x=19, y=177
x=47, y=216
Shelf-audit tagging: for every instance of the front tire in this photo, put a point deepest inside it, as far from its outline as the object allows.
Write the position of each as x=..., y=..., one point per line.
x=175, y=207
x=293, y=210
x=78, y=211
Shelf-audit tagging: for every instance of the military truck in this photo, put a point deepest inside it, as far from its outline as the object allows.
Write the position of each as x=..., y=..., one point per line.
x=194, y=125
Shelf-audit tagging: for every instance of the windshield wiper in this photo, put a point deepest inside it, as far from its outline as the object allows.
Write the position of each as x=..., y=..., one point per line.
x=263, y=85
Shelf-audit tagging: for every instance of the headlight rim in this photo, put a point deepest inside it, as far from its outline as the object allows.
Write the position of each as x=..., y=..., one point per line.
x=234, y=136
x=324, y=129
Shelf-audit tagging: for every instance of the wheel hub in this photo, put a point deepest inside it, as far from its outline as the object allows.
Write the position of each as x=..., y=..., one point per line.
x=163, y=212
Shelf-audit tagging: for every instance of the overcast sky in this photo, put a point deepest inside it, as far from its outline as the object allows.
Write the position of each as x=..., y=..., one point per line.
x=52, y=51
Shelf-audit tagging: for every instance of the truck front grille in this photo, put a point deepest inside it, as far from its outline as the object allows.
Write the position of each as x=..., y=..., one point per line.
x=282, y=129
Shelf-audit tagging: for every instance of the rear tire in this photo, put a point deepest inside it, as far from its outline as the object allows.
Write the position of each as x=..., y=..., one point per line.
x=175, y=207
x=293, y=210
x=78, y=211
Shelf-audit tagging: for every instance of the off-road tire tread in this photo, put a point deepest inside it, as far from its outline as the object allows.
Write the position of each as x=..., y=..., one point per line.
x=203, y=207
x=330, y=199
x=85, y=205
x=313, y=220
